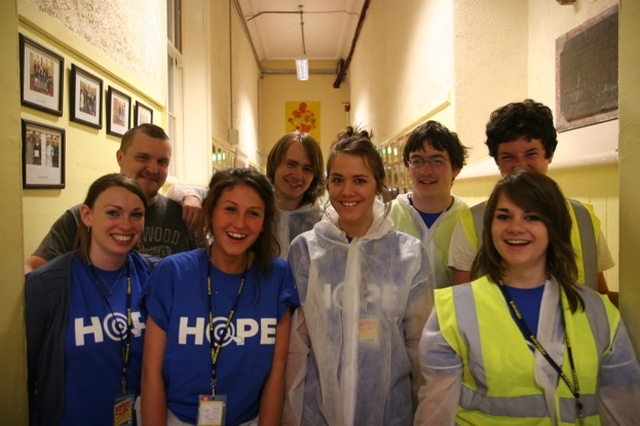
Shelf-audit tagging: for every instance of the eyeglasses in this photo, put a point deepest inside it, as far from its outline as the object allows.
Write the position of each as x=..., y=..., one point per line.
x=434, y=162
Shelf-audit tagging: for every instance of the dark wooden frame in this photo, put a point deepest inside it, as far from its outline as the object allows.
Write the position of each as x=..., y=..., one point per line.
x=140, y=108
x=35, y=97
x=36, y=174
x=114, y=96
x=79, y=76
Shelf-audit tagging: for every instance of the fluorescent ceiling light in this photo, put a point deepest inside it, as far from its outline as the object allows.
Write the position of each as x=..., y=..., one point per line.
x=302, y=68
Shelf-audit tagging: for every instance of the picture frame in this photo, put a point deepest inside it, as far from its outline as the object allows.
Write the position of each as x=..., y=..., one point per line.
x=41, y=77
x=118, y=112
x=85, y=97
x=142, y=114
x=43, y=156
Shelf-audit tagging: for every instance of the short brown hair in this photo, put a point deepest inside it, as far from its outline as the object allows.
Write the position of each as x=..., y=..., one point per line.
x=148, y=129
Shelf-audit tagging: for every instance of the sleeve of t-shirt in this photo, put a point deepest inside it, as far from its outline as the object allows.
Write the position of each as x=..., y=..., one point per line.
x=605, y=260
x=289, y=299
x=158, y=294
x=179, y=191
x=461, y=252
x=60, y=238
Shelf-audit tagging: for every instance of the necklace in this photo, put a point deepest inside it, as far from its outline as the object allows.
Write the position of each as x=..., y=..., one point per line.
x=113, y=286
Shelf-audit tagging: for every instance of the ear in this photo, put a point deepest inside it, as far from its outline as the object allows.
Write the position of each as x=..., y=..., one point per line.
x=119, y=155
x=455, y=173
x=85, y=215
x=551, y=158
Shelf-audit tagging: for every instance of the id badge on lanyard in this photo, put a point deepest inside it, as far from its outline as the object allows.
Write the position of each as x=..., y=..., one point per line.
x=123, y=409
x=211, y=410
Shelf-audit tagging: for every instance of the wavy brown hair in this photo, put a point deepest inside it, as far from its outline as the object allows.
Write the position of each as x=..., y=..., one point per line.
x=533, y=192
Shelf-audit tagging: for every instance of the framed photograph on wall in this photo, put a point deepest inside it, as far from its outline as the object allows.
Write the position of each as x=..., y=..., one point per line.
x=118, y=112
x=43, y=156
x=85, y=96
x=142, y=113
x=41, y=77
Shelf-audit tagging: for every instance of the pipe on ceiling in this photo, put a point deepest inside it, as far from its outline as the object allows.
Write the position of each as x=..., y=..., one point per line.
x=343, y=71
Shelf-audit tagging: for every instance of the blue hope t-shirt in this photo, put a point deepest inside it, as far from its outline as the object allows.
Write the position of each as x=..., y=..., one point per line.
x=93, y=344
x=179, y=303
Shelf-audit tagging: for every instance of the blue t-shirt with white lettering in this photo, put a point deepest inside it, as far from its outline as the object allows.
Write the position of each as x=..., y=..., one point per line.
x=178, y=302
x=93, y=343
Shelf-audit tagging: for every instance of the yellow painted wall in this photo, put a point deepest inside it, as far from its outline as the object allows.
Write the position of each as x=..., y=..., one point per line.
x=89, y=152
x=278, y=89
x=13, y=389
x=629, y=160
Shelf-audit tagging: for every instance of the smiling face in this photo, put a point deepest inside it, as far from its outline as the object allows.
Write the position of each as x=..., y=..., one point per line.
x=116, y=222
x=236, y=223
x=432, y=182
x=520, y=237
x=522, y=153
x=147, y=161
x=293, y=176
x=352, y=192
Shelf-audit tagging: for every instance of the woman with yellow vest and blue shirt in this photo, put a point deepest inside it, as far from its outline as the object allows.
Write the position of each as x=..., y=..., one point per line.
x=523, y=344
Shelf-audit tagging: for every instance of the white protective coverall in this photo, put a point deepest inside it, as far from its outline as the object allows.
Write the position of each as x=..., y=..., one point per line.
x=353, y=354
x=295, y=222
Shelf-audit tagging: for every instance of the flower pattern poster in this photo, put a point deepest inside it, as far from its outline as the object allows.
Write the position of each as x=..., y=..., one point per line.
x=303, y=116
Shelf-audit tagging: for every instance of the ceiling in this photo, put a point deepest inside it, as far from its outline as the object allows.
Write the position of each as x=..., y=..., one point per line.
x=275, y=30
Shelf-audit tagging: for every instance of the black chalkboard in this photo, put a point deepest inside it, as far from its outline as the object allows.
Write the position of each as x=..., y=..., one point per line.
x=587, y=62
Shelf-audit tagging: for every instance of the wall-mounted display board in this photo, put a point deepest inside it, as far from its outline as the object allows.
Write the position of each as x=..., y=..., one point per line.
x=587, y=72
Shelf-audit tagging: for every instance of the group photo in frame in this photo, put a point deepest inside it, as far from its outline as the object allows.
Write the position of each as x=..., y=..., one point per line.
x=118, y=112
x=43, y=156
x=142, y=113
x=41, y=77
x=85, y=97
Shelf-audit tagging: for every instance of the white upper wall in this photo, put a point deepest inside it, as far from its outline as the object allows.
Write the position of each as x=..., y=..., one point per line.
x=457, y=61
x=403, y=64
x=490, y=39
x=138, y=23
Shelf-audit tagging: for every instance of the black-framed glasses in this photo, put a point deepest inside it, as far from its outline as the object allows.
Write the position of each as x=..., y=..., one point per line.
x=433, y=162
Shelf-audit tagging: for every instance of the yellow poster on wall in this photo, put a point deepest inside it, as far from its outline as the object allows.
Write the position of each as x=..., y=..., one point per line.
x=303, y=116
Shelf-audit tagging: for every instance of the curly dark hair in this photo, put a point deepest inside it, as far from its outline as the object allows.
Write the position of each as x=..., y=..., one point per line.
x=528, y=119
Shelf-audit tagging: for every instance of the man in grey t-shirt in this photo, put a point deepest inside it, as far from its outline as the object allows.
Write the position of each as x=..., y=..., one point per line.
x=144, y=155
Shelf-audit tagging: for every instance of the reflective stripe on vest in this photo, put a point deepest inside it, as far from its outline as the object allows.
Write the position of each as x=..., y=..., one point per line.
x=588, y=245
x=514, y=406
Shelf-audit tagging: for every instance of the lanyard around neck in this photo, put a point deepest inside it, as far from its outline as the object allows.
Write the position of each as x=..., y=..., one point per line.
x=125, y=340
x=215, y=348
x=574, y=386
